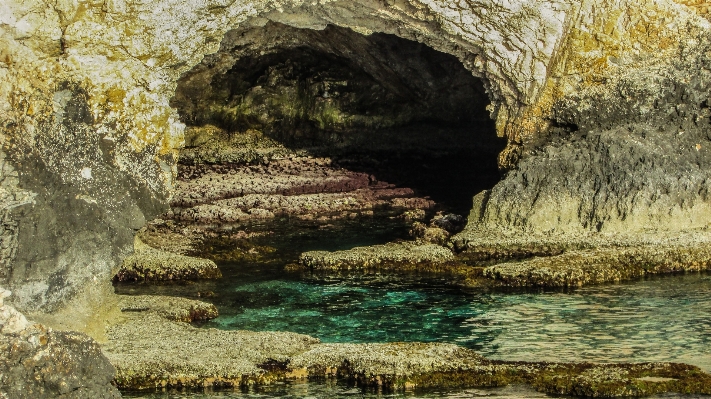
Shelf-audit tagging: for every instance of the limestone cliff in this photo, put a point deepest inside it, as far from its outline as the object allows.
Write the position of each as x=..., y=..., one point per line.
x=89, y=138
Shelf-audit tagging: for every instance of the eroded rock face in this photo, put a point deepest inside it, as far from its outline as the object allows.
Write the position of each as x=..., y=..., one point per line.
x=634, y=156
x=89, y=137
x=38, y=362
x=309, y=87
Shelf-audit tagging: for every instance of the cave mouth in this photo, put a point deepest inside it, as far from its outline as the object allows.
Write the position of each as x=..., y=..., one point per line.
x=379, y=104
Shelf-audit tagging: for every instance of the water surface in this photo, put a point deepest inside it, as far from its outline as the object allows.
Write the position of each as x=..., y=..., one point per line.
x=665, y=318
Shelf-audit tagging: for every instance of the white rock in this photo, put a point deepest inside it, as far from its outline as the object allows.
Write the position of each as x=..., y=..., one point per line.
x=11, y=321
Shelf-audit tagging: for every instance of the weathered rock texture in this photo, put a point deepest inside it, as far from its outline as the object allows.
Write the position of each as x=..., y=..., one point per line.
x=150, y=264
x=409, y=255
x=38, y=362
x=150, y=351
x=89, y=137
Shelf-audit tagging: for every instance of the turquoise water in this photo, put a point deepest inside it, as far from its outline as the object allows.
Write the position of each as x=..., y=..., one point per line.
x=665, y=318
x=659, y=319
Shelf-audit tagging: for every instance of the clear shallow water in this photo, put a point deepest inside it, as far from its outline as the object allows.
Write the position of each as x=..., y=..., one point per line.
x=664, y=318
x=659, y=319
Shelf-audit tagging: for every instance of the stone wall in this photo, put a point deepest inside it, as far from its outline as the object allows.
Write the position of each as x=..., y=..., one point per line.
x=85, y=119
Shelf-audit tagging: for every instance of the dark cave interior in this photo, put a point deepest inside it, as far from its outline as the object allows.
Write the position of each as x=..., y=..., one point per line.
x=380, y=104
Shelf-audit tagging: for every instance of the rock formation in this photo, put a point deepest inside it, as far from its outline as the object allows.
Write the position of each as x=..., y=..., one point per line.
x=604, y=107
x=38, y=362
x=578, y=89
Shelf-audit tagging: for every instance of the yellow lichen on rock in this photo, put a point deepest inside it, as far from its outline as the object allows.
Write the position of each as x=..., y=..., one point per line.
x=602, y=41
x=702, y=7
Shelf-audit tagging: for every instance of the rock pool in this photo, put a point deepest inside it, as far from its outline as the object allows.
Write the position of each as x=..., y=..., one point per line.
x=656, y=319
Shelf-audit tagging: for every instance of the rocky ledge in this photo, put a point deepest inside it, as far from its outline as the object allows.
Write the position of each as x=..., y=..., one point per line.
x=148, y=263
x=171, y=308
x=39, y=362
x=153, y=351
x=404, y=255
x=497, y=260
x=557, y=260
x=303, y=187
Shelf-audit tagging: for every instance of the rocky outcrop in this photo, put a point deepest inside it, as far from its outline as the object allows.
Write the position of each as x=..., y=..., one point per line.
x=171, y=308
x=150, y=351
x=601, y=265
x=150, y=264
x=406, y=255
x=89, y=137
x=38, y=362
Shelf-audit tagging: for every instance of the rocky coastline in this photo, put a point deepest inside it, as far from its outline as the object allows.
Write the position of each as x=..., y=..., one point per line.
x=144, y=141
x=153, y=350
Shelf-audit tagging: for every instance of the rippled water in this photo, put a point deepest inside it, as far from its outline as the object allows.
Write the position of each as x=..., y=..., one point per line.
x=658, y=319
x=332, y=389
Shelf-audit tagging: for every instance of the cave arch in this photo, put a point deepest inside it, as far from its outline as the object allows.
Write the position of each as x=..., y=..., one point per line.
x=396, y=109
x=128, y=57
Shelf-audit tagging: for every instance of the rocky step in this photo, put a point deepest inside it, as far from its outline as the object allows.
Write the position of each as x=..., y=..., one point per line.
x=152, y=264
x=393, y=255
x=306, y=206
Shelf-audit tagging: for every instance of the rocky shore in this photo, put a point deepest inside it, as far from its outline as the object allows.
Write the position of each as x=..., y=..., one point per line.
x=151, y=350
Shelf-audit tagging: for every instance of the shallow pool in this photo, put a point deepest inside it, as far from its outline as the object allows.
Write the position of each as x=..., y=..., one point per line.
x=665, y=318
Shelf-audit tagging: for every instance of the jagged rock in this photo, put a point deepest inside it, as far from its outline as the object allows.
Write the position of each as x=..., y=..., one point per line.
x=37, y=362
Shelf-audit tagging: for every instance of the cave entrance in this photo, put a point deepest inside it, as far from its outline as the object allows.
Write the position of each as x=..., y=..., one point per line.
x=394, y=109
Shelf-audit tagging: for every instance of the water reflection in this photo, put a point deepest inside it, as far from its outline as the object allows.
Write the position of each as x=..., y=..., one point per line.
x=332, y=389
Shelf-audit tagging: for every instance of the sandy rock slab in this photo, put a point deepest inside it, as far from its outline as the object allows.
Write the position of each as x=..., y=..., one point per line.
x=37, y=362
x=394, y=255
x=148, y=263
x=578, y=268
x=512, y=259
x=150, y=351
x=171, y=308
